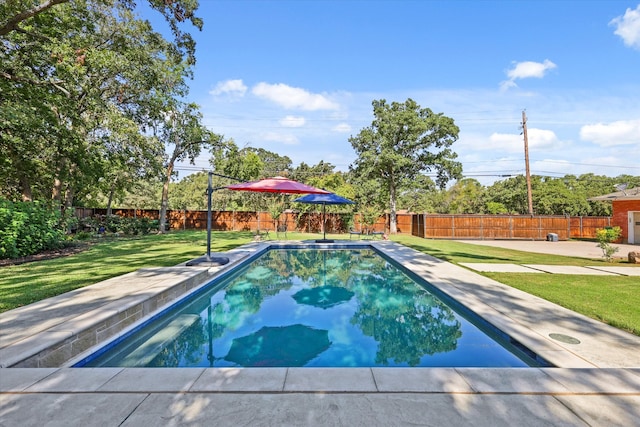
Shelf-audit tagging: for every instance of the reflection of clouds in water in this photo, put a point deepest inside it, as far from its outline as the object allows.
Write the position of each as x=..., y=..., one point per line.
x=258, y=273
x=375, y=314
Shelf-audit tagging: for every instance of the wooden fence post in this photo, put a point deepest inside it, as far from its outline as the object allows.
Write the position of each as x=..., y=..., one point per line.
x=510, y=227
x=539, y=227
x=453, y=226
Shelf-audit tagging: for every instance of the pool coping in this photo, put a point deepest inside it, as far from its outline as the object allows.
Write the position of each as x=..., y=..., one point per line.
x=54, y=331
x=525, y=318
x=57, y=331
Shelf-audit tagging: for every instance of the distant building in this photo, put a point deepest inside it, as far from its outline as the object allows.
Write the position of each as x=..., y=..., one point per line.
x=626, y=212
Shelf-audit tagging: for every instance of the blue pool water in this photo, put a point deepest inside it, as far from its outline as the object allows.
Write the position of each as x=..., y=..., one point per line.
x=312, y=307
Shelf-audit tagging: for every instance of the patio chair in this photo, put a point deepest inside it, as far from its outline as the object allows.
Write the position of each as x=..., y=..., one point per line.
x=261, y=234
x=353, y=232
x=378, y=234
x=281, y=228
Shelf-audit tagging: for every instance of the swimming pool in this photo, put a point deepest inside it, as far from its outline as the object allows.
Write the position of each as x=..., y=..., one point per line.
x=315, y=307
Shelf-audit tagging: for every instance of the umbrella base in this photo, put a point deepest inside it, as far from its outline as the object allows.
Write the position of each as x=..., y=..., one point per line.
x=324, y=241
x=208, y=261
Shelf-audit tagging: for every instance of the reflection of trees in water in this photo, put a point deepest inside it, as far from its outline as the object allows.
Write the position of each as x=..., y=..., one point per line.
x=406, y=325
x=241, y=298
x=246, y=293
x=322, y=267
x=188, y=346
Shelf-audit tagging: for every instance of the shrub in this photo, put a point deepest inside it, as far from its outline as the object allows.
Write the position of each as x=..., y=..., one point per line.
x=83, y=235
x=605, y=236
x=27, y=228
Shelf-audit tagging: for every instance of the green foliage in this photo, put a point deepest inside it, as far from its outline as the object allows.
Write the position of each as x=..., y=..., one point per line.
x=370, y=215
x=496, y=208
x=83, y=236
x=403, y=141
x=74, y=112
x=115, y=224
x=27, y=228
x=605, y=236
x=466, y=197
x=567, y=195
x=26, y=283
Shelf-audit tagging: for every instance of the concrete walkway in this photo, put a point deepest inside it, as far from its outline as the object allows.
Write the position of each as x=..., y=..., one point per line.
x=565, y=248
x=594, y=270
x=596, y=381
x=573, y=248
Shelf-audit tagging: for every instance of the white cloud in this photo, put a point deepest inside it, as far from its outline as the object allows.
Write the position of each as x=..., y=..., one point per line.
x=286, y=139
x=342, y=128
x=623, y=132
x=542, y=139
x=231, y=87
x=538, y=139
x=293, y=97
x=628, y=27
x=525, y=70
x=293, y=121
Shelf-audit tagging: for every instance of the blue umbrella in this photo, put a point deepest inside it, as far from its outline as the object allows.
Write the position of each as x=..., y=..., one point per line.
x=324, y=199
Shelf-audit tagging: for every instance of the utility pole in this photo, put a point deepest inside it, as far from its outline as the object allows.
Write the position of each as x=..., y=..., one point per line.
x=526, y=161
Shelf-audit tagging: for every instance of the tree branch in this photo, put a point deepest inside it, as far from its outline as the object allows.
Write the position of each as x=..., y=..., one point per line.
x=54, y=83
x=12, y=23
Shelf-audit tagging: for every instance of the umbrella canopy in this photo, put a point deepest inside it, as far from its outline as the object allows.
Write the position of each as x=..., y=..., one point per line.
x=324, y=199
x=323, y=296
x=283, y=346
x=277, y=184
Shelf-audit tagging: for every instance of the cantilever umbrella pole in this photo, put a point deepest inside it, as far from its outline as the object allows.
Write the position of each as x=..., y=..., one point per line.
x=324, y=199
x=207, y=258
x=209, y=215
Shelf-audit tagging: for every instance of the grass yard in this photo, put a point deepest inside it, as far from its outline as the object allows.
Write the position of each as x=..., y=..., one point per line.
x=613, y=300
x=610, y=299
x=30, y=282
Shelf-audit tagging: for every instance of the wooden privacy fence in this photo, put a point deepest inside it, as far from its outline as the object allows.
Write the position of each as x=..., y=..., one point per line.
x=431, y=226
x=243, y=221
x=490, y=227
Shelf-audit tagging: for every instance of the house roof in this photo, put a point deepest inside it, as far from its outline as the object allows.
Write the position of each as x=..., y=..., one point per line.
x=627, y=194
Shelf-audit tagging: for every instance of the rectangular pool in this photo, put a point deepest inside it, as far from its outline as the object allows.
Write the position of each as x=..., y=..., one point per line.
x=314, y=308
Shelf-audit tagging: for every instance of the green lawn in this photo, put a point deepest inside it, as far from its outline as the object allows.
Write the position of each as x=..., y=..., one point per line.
x=611, y=300
x=31, y=282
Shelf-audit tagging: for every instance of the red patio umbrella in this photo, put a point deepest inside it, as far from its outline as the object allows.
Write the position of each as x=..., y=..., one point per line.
x=277, y=184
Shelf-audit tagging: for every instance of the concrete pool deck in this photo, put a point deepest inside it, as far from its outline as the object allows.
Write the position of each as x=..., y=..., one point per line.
x=597, y=381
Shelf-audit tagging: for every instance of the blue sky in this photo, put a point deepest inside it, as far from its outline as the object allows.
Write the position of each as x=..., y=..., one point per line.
x=298, y=78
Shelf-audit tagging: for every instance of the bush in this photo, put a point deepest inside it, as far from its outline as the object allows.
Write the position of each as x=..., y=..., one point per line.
x=83, y=235
x=27, y=228
x=605, y=236
x=116, y=224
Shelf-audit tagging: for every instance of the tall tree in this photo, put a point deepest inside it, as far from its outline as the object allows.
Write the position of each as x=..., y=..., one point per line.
x=15, y=15
x=466, y=197
x=73, y=105
x=184, y=136
x=403, y=141
x=421, y=195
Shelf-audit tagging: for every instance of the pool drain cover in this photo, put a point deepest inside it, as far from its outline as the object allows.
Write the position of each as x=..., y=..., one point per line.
x=565, y=338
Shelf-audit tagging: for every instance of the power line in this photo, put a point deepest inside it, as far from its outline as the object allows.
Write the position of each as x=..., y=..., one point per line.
x=590, y=164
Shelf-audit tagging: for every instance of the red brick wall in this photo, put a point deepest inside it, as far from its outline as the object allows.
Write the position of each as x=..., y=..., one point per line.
x=621, y=216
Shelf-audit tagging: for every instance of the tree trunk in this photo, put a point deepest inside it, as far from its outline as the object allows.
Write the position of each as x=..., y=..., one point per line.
x=110, y=199
x=68, y=198
x=56, y=192
x=165, y=199
x=27, y=195
x=393, y=220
